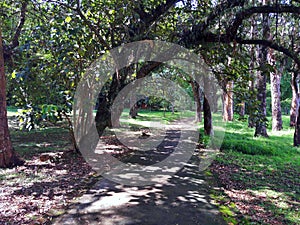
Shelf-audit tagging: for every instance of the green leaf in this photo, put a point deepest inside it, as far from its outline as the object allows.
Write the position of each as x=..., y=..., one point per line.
x=68, y=19
x=13, y=75
x=111, y=12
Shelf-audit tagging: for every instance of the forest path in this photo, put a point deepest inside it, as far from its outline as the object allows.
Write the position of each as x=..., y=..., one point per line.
x=177, y=199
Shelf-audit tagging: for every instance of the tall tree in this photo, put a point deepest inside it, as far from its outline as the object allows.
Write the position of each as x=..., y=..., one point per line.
x=8, y=156
x=261, y=125
x=275, y=77
x=228, y=102
x=197, y=97
x=295, y=100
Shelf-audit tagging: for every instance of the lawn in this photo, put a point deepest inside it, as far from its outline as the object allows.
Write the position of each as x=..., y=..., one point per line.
x=259, y=178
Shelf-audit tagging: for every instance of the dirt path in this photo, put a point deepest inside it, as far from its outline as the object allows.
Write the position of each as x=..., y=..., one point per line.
x=177, y=199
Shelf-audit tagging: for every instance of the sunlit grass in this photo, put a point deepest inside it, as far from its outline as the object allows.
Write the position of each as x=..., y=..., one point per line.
x=269, y=168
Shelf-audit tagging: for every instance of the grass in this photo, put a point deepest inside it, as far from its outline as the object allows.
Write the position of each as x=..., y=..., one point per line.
x=30, y=143
x=265, y=170
x=146, y=116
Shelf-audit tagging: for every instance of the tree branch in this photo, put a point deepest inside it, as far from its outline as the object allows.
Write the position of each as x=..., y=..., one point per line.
x=245, y=14
x=85, y=20
x=151, y=17
x=15, y=40
x=272, y=45
x=219, y=9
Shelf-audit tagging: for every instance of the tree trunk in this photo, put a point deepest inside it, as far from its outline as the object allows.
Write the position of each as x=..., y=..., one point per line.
x=275, y=78
x=197, y=97
x=133, y=113
x=297, y=130
x=228, y=102
x=208, y=128
x=242, y=109
x=254, y=53
x=294, y=103
x=260, y=125
x=103, y=117
x=8, y=156
x=297, y=113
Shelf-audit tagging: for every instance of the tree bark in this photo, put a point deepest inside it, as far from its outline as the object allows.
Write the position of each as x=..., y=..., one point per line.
x=296, y=112
x=228, y=102
x=197, y=97
x=8, y=157
x=275, y=78
x=242, y=111
x=294, y=103
x=254, y=53
x=133, y=112
x=208, y=128
x=260, y=125
x=297, y=130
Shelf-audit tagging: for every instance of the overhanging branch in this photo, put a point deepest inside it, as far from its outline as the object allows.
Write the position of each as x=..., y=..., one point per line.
x=272, y=45
x=245, y=14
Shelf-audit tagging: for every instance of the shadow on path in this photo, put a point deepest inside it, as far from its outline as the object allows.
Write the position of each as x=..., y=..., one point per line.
x=177, y=200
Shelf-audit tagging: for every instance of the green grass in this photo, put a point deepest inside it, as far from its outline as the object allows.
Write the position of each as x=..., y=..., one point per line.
x=35, y=142
x=266, y=166
x=145, y=116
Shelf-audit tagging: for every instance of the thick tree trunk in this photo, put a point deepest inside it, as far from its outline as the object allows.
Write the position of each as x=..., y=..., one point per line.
x=294, y=103
x=197, y=97
x=103, y=117
x=8, y=157
x=208, y=128
x=276, y=106
x=228, y=102
x=261, y=126
x=275, y=78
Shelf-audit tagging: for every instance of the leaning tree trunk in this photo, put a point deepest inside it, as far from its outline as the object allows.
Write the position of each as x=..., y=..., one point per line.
x=275, y=78
x=260, y=125
x=228, y=102
x=295, y=100
x=197, y=97
x=8, y=157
